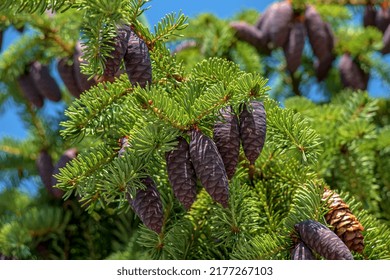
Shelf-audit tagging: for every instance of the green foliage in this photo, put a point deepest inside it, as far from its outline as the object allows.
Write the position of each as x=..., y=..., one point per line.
x=198, y=68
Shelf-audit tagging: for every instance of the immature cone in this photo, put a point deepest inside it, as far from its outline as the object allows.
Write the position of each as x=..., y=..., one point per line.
x=137, y=61
x=227, y=140
x=352, y=76
x=294, y=46
x=113, y=61
x=301, y=252
x=209, y=167
x=323, y=241
x=322, y=66
x=45, y=168
x=345, y=224
x=253, y=128
x=29, y=90
x=369, y=15
x=44, y=82
x=68, y=77
x=81, y=79
x=251, y=35
x=181, y=173
x=317, y=33
x=147, y=205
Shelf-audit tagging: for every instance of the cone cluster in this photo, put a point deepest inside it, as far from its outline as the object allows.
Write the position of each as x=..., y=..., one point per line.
x=282, y=26
x=131, y=49
x=379, y=18
x=344, y=223
x=322, y=240
x=37, y=84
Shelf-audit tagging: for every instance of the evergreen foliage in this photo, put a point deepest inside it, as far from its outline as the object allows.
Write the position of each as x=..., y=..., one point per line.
x=338, y=138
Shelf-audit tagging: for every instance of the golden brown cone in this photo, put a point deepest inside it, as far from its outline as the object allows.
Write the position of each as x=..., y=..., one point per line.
x=344, y=223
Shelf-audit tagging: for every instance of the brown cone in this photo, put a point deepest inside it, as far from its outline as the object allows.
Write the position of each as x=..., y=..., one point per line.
x=345, y=224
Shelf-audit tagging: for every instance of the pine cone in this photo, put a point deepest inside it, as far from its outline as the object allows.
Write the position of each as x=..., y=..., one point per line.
x=369, y=15
x=352, y=76
x=44, y=82
x=301, y=252
x=323, y=66
x=251, y=35
x=227, y=140
x=68, y=77
x=345, y=224
x=181, y=173
x=82, y=80
x=209, y=167
x=137, y=61
x=253, y=128
x=30, y=91
x=124, y=144
x=147, y=205
x=66, y=157
x=45, y=168
x=113, y=62
x=382, y=19
x=323, y=241
x=317, y=33
x=294, y=46
x=386, y=41
x=275, y=23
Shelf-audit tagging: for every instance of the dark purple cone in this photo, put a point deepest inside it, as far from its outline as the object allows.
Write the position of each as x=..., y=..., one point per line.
x=209, y=167
x=227, y=140
x=382, y=19
x=66, y=157
x=251, y=35
x=113, y=61
x=369, y=15
x=45, y=168
x=137, y=61
x=68, y=77
x=44, y=82
x=352, y=76
x=323, y=241
x=82, y=80
x=253, y=128
x=301, y=252
x=317, y=33
x=147, y=205
x=386, y=41
x=323, y=66
x=30, y=91
x=294, y=46
x=275, y=23
x=181, y=173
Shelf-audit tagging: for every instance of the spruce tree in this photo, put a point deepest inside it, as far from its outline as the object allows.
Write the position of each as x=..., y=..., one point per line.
x=134, y=100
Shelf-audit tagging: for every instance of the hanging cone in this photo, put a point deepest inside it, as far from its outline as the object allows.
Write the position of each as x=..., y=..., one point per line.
x=45, y=168
x=44, y=82
x=209, y=167
x=369, y=15
x=386, y=41
x=345, y=224
x=323, y=241
x=113, y=61
x=352, y=76
x=294, y=47
x=382, y=19
x=253, y=127
x=81, y=79
x=251, y=35
x=147, y=205
x=181, y=173
x=66, y=157
x=68, y=77
x=227, y=139
x=137, y=61
x=30, y=91
x=301, y=252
